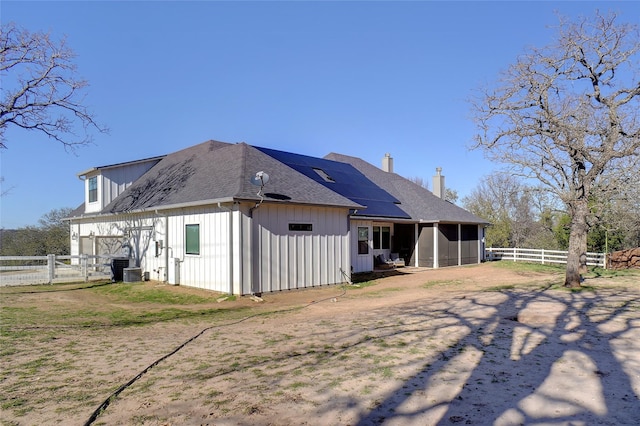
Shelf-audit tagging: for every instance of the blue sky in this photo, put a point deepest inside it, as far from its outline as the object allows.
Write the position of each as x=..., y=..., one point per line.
x=357, y=78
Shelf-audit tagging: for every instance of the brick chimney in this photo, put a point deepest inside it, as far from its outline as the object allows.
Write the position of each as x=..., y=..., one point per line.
x=438, y=183
x=387, y=163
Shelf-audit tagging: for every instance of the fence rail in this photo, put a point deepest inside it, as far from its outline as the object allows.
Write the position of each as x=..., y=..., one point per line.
x=541, y=256
x=24, y=270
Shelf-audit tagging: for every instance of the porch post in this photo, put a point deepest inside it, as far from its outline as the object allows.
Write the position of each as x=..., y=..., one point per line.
x=481, y=248
x=459, y=244
x=416, y=246
x=436, y=249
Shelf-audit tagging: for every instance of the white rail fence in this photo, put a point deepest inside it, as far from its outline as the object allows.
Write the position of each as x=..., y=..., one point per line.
x=24, y=270
x=541, y=256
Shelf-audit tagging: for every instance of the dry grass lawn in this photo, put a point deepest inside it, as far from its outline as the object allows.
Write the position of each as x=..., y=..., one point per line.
x=484, y=344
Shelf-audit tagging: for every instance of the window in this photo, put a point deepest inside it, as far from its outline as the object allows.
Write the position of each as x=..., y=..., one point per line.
x=386, y=237
x=301, y=227
x=363, y=240
x=381, y=237
x=93, y=189
x=192, y=239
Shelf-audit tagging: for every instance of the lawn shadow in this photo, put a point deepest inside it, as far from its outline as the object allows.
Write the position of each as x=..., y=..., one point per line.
x=545, y=356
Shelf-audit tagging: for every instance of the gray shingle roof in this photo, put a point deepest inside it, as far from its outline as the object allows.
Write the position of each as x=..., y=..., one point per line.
x=220, y=171
x=418, y=202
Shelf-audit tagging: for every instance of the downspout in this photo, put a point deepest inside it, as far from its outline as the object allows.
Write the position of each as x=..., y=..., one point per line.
x=230, y=233
x=240, y=250
x=230, y=251
x=252, y=241
x=166, y=248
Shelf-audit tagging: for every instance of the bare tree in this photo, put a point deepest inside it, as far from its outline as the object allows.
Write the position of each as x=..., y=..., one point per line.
x=419, y=181
x=619, y=216
x=568, y=115
x=451, y=195
x=4, y=191
x=40, y=88
x=515, y=211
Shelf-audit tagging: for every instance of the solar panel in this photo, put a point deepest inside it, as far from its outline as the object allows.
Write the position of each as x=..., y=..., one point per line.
x=345, y=180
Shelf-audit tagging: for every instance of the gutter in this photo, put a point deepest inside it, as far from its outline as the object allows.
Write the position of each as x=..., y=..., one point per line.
x=212, y=201
x=403, y=220
x=166, y=248
x=159, y=208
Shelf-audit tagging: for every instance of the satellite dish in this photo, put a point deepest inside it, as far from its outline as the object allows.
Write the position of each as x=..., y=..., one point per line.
x=260, y=179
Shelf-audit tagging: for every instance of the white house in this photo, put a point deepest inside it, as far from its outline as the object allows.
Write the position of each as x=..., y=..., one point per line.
x=241, y=219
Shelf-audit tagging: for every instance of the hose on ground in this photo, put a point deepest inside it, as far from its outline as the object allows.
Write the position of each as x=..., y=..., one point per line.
x=98, y=411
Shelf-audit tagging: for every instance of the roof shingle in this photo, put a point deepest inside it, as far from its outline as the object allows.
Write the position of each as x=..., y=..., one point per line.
x=220, y=171
x=419, y=203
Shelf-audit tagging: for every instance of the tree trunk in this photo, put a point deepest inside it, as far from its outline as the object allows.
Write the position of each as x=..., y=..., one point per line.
x=577, y=255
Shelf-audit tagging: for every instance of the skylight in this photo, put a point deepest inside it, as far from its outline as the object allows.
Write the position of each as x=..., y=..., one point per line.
x=323, y=175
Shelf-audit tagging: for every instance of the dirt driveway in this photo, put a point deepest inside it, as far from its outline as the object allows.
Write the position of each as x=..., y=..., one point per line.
x=474, y=345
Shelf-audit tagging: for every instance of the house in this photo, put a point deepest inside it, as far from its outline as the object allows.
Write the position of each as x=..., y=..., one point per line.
x=241, y=219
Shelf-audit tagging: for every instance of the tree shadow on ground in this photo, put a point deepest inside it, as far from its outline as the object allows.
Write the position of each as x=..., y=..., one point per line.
x=545, y=356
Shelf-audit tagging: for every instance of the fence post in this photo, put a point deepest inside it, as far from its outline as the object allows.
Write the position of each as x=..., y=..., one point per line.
x=543, y=256
x=51, y=267
x=84, y=269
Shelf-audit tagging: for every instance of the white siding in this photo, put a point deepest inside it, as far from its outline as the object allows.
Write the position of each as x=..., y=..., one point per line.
x=105, y=236
x=238, y=254
x=285, y=260
x=361, y=262
x=212, y=267
x=112, y=182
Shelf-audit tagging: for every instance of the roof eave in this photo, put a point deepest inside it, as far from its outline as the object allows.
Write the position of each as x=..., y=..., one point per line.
x=110, y=166
x=208, y=202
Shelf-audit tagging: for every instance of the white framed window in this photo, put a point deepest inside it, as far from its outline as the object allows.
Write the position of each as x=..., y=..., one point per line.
x=382, y=237
x=192, y=239
x=93, y=189
x=363, y=240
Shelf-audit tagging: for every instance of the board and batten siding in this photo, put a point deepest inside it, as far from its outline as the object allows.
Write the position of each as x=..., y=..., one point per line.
x=212, y=268
x=106, y=237
x=239, y=252
x=361, y=262
x=112, y=182
x=285, y=259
